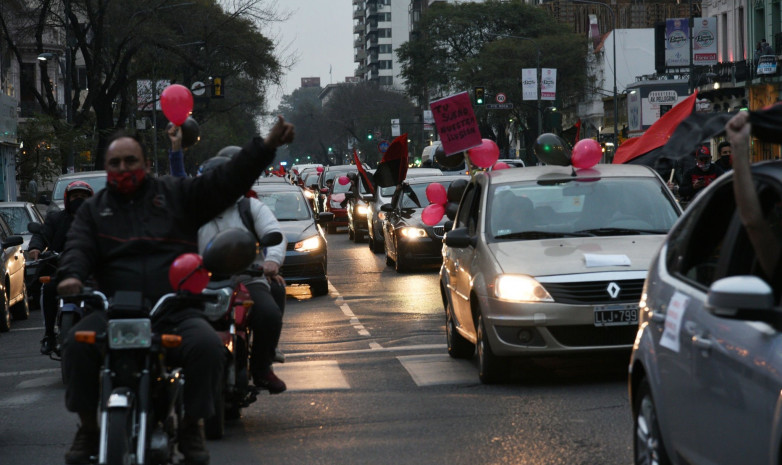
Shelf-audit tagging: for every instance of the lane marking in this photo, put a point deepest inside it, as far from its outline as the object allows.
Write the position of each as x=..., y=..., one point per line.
x=438, y=369
x=374, y=347
x=29, y=372
x=37, y=328
x=316, y=375
x=360, y=329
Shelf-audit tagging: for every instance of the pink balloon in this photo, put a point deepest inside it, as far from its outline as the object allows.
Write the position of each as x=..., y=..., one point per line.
x=586, y=153
x=432, y=214
x=500, y=165
x=485, y=154
x=339, y=198
x=177, y=103
x=436, y=193
x=319, y=169
x=343, y=180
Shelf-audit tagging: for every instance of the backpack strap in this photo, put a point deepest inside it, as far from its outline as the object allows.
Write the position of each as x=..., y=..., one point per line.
x=247, y=217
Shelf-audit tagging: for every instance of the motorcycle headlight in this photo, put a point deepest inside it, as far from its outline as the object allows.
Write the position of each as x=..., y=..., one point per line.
x=413, y=233
x=133, y=333
x=520, y=288
x=362, y=210
x=215, y=310
x=308, y=245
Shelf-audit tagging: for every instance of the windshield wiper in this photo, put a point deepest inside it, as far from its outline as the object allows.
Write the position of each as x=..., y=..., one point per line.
x=542, y=234
x=611, y=231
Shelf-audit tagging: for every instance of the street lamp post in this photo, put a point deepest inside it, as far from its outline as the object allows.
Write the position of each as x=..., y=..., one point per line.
x=538, y=73
x=613, y=20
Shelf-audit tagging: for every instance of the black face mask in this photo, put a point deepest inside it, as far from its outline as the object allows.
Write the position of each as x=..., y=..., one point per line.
x=74, y=205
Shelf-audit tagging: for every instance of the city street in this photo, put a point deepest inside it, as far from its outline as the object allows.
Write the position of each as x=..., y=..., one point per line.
x=369, y=381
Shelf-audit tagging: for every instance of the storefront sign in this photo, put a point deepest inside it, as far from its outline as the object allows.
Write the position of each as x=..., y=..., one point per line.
x=767, y=64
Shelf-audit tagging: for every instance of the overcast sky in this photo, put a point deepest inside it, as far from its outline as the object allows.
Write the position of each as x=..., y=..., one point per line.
x=320, y=34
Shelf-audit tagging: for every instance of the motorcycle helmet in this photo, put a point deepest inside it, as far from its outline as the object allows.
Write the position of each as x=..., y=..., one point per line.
x=187, y=273
x=212, y=163
x=76, y=186
x=229, y=151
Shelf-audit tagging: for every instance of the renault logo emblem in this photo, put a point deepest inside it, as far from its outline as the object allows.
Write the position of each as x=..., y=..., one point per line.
x=613, y=290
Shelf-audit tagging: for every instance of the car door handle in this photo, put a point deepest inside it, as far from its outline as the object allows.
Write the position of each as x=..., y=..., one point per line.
x=702, y=343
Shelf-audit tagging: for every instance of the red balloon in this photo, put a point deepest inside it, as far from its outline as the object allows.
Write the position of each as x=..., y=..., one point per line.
x=435, y=193
x=485, y=154
x=500, y=165
x=586, y=153
x=319, y=169
x=343, y=180
x=187, y=273
x=432, y=214
x=177, y=103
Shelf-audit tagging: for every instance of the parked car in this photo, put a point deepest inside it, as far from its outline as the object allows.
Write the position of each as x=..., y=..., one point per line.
x=409, y=243
x=705, y=372
x=18, y=215
x=96, y=180
x=544, y=262
x=13, y=298
x=306, y=258
x=375, y=215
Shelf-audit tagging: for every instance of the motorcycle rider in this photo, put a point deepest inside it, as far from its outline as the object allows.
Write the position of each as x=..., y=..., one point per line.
x=266, y=315
x=55, y=227
x=127, y=236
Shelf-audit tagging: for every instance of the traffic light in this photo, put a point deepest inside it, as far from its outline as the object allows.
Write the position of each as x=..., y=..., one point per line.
x=369, y=134
x=217, y=87
x=480, y=93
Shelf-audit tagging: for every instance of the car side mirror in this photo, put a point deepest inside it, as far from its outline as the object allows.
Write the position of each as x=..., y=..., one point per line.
x=459, y=238
x=44, y=199
x=11, y=241
x=324, y=217
x=741, y=297
x=448, y=225
x=387, y=207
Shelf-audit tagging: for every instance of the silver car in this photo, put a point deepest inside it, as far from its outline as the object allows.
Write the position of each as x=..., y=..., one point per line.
x=541, y=261
x=706, y=369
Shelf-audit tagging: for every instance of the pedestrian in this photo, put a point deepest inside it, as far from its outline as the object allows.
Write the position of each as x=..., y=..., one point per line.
x=128, y=235
x=697, y=178
x=725, y=160
x=32, y=190
x=766, y=47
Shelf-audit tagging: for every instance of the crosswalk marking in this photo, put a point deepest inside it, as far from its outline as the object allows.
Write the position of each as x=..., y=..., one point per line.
x=438, y=369
x=318, y=375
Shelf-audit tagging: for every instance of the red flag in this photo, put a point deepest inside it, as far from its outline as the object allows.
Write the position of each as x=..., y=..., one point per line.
x=659, y=133
x=392, y=169
x=578, y=130
x=363, y=173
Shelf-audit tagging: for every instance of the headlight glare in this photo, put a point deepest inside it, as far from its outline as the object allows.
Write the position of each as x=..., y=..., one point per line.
x=413, y=233
x=308, y=245
x=362, y=210
x=520, y=288
x=309, y=194
x=381, y=215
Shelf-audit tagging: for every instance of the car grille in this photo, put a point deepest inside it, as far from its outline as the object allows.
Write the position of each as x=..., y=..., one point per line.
x=587, y=336
x=439, y=231
x=595, y=292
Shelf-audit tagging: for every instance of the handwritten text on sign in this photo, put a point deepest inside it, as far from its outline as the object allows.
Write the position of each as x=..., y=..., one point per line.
x=456, y=123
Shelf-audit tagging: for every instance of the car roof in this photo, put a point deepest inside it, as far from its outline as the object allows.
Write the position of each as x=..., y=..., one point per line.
x=15, y=204
x=552, y=172
x=276, y=187
x=445, y=177
x=340, y=168
x=82, y=174
x=416, y=172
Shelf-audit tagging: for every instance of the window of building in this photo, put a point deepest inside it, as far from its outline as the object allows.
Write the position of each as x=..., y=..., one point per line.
x=386, y=64
x=384, y=17
x=386, y=80
x=384, y=32
x=385, y=48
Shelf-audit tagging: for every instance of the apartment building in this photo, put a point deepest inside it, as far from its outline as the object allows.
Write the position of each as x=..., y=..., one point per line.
x=380, y=27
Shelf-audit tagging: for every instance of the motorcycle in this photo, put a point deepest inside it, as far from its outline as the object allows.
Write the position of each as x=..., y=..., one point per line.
x=229, y=316
x=141, y=400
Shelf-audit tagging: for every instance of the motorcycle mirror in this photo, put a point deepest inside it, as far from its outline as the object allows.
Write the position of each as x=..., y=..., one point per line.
x=271, y=239
x=230, y=251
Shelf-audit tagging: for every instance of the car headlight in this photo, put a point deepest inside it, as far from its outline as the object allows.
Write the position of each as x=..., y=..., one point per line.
x=381, y=216
x=308, y=245
x=362, y=210
x=309, y=194
x=413, y=233
x=520, y=288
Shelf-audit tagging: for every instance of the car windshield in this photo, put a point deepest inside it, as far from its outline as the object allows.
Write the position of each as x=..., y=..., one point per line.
x=286, y=206
x=17, y=218
x=414, y=195
x=96, y=182
x=596, y=207
x=340, y=188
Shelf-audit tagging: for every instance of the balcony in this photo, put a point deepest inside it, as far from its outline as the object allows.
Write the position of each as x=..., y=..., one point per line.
x=360, y=56
x=359, y=43
x=358, y=13
x=359, y=28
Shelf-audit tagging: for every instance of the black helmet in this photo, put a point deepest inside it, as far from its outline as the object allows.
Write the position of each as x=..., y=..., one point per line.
x=212, y=163
x=229, y=151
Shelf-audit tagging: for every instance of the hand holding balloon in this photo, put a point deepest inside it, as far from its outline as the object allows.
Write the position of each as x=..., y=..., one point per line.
x=177, y=103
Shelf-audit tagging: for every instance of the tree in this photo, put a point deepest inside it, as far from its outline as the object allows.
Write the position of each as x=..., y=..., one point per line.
x=461, y=47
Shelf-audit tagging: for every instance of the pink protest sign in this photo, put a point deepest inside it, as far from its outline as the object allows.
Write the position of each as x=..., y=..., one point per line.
x=456, y=123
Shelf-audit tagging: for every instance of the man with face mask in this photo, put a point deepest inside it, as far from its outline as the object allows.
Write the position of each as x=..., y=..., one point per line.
x=55, y=227
x=127, y=236
x=701, y=175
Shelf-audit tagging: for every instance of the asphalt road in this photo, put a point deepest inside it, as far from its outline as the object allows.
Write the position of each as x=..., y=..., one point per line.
x=369, y=382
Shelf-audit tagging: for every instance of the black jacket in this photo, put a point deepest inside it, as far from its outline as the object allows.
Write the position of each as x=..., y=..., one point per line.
x=55, y=228
x=128, y=244
x=687, y=191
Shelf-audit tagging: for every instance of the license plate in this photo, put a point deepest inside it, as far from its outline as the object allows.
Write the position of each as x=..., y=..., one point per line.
x=616, y=315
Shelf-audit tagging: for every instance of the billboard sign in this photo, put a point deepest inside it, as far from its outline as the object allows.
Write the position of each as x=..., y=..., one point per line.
x=548, y=84
x=704, y=32
x=677, y=50
x=529, y=83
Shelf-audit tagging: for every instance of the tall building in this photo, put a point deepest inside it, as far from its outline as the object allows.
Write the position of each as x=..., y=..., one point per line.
x=380, y=27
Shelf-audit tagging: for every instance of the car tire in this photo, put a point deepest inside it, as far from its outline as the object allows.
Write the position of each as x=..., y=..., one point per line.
x=458, y=346
x=491, y=369
x=375, y=245
x=21, y=309
x=351, y=234
x=648, y=446
x=399, y=264
x=319, y=287
x=358, y=236
x=5, y=314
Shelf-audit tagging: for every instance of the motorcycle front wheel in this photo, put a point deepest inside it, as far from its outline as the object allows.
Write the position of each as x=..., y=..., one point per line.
x=119, y=441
